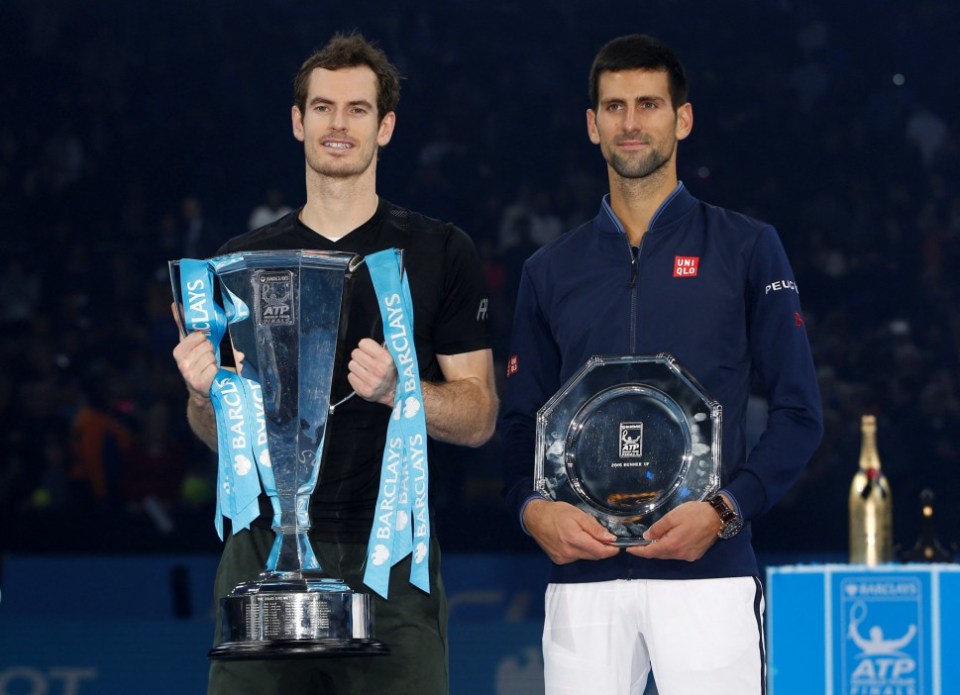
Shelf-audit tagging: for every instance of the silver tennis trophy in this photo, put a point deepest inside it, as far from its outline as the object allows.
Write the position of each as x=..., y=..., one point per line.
x=627, y=439
x=289, y=343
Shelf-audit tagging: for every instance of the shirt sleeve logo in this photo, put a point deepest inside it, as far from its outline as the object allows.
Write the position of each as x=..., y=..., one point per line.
x=685, y=266
x=513, y=365
x=482, y=309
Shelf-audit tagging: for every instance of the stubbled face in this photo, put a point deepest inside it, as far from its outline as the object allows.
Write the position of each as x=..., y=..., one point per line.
x=635, y=123
x=339, y=128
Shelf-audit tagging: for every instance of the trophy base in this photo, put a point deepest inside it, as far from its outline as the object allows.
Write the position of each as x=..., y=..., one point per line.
x=288, y=615
x=296, y=649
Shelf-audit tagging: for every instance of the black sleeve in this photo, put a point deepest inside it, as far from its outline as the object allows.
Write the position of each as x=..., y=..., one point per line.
x=461, y=324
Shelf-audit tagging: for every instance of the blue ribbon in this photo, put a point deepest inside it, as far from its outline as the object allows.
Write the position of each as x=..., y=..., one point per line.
x=244, y=459
x=401, y=520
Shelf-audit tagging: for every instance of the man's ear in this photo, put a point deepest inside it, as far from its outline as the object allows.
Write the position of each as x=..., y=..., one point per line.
x=592, y=131
x=684, y=120
x=385, y=131
x=296, y=119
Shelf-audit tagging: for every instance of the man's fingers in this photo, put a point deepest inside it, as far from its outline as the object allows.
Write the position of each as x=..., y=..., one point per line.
x=657, y=530
x=371, y=372
x=197, y=362
x=373, y=358
x=597, y=531
x=581, y=537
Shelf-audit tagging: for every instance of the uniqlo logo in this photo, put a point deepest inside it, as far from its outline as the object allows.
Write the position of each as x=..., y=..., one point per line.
x=685, y=266
x=513, y=365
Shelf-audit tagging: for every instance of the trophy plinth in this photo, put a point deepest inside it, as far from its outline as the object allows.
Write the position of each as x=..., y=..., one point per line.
x=627, y=439
x=284, y=615
x=288, y=345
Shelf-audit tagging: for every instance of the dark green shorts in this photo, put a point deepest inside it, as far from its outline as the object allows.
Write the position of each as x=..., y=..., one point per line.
x=411, y=623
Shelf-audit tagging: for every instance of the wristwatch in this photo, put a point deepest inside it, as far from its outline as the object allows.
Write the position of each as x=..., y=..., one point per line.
x=732, y=523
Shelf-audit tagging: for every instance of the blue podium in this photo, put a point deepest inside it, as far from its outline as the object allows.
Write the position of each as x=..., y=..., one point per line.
x=842, y=629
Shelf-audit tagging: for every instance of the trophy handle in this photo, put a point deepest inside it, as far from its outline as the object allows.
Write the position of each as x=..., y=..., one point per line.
x=334, y=406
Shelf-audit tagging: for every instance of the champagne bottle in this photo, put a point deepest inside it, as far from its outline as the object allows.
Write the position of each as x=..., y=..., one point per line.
x=871, y=511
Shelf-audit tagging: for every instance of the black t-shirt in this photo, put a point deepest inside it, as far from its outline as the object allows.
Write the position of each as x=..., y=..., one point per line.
x=449, y=313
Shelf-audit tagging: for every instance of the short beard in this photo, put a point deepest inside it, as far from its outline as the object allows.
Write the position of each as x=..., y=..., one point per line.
x=338, y=170
x=638, y=168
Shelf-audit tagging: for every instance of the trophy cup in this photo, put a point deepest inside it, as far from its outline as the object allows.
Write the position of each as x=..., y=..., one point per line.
x=627, y=439
x=297, y=307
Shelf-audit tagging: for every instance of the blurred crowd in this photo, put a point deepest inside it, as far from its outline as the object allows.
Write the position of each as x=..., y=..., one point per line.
x=133, y=133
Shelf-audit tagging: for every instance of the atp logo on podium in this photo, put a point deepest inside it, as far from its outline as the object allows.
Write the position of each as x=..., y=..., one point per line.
x=881, y=650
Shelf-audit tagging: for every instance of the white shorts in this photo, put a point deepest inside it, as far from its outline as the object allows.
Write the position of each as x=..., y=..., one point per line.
x=699, y=635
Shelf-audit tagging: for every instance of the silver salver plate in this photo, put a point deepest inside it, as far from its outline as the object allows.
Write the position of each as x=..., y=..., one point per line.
x=627, y=439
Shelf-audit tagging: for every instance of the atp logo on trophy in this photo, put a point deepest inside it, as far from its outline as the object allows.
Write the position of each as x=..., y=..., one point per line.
x=631, y=440
x=882, y=641
x=274, y=298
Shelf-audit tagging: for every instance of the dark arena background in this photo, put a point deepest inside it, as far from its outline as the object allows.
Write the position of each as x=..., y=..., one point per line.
x=132, y=133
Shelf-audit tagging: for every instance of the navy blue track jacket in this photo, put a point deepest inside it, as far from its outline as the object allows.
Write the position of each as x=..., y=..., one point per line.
x=709, y=286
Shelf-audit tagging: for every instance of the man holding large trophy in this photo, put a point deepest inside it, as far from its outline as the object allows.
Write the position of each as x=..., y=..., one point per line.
x=634, y=343
x=358, y=330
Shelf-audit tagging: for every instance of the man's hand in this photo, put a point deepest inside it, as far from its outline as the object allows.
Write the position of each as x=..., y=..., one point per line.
x=197, y=362
x=567, y=534
x=198, y=365
x=684, y=533
x=372, y=372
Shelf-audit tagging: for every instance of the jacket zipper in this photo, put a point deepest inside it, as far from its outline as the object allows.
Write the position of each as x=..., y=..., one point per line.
x=635, y=292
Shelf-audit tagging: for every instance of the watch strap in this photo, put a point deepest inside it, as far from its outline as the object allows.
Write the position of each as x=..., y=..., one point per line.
x=730, y=520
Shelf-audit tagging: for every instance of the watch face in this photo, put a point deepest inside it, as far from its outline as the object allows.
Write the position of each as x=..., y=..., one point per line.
x=731, y=528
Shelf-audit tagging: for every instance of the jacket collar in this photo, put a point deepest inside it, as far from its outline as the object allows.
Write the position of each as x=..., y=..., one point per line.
x=671, y=209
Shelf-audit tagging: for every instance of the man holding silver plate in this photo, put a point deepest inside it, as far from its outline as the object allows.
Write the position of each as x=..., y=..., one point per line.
x=635, y=342
x=343, y=113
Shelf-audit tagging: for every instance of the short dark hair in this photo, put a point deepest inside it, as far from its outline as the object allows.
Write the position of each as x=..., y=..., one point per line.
x=639, y=52
x=350, y=51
